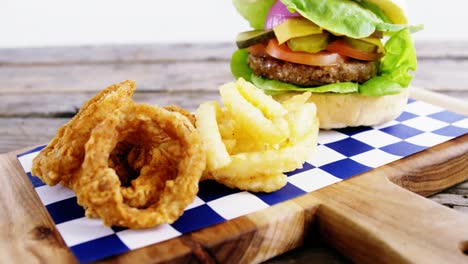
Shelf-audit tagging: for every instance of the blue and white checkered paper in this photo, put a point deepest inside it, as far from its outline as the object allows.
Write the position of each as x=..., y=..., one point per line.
x=340, y=154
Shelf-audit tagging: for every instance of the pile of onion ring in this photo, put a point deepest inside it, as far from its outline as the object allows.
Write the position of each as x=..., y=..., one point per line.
x=132, y=165
x=138, y=165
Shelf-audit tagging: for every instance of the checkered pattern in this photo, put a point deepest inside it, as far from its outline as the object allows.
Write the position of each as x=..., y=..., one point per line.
x=340, y=154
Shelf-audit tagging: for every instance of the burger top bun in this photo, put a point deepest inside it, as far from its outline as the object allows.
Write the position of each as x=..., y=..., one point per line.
x=351, y=110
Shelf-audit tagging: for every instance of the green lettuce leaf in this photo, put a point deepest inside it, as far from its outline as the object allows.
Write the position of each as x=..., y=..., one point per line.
x=394, y=72
x=276, y=87
x=239, y=67
x=343, y=17
x=254, y=11
x=375, y=9
x=395, y=67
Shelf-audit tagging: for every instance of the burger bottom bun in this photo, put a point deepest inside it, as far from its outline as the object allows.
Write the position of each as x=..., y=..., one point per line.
x=336, y=110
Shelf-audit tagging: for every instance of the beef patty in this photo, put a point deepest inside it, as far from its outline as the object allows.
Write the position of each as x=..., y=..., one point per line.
x=306, y=75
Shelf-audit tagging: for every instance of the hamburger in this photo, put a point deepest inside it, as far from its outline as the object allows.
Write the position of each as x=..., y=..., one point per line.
x=356, y=57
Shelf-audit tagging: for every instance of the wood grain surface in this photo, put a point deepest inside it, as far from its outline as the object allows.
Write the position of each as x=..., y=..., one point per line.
x=42, y=88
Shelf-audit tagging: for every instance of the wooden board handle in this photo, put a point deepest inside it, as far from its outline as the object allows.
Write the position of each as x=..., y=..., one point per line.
x=371, y=219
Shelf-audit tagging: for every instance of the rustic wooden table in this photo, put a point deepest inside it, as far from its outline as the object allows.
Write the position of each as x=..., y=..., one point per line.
x=42, y=88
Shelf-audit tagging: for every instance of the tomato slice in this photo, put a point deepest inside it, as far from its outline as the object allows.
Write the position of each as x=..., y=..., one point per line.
x=343, y=48
x=282, y=52
x=257, y=49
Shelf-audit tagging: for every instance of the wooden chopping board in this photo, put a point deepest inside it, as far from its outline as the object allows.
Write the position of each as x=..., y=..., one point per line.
x=379, y=216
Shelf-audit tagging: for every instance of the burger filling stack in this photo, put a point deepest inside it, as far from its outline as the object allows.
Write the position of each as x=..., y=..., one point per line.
x=355, y=57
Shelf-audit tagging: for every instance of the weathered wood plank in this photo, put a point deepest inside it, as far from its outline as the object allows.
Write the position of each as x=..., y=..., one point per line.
x=174, y=52
x=310, y=252
x=461, y=209
x=438, y=75
x=450, y=200
x=52, y=104
x=443, y=49
x=185, y=66
x=149, y=77
x=18, y=133
x=455, y=197
x=31, y=120
x=442, y=74
x=117, y=54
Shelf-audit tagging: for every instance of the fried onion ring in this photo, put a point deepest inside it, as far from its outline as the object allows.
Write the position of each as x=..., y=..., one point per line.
x=60, y=161
x=172, y=161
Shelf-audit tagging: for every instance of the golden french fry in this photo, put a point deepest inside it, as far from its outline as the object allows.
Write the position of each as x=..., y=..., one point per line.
x=257, y=183
x=249, y=119
x=207, y=127
x=271, y=161
x=256, y=139
x=269, y=107
x=230, y=145
x=299, y=121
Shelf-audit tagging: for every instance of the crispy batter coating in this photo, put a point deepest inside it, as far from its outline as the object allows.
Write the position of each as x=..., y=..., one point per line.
x=60, y=161
x=167, y=181
x=176, y=108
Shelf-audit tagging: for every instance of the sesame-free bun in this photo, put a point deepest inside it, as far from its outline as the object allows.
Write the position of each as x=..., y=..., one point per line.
x=337, y=110
x=350, y=110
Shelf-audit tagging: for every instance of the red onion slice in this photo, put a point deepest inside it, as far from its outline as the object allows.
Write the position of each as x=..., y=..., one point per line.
x=277, y=15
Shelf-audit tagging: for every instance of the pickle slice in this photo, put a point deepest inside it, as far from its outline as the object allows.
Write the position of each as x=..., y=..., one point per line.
x=250, y=38
x=312, y=43
x=360, y=45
